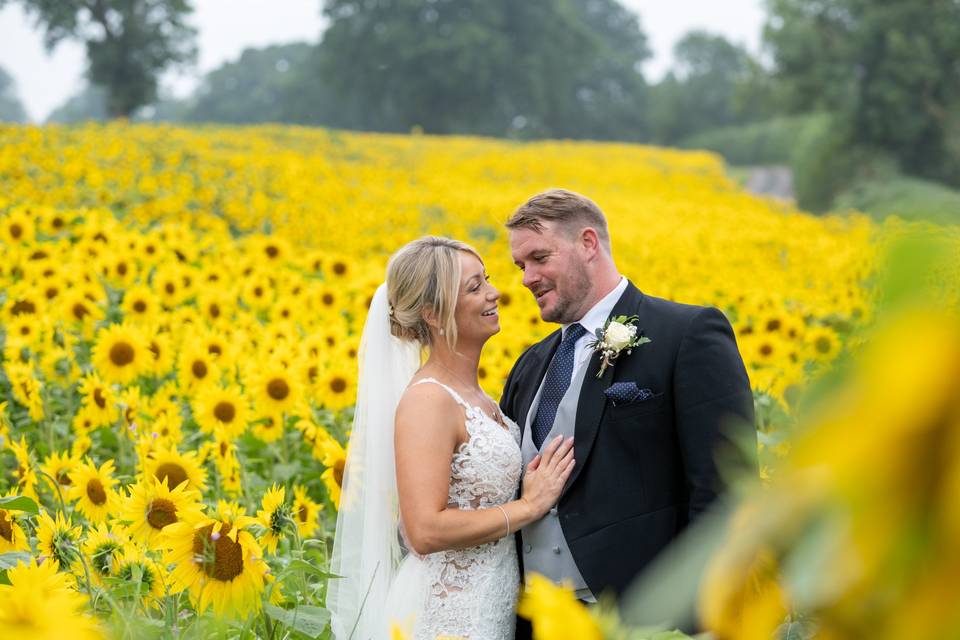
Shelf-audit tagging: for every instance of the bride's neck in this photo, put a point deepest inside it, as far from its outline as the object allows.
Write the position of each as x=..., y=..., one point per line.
x=463, y=364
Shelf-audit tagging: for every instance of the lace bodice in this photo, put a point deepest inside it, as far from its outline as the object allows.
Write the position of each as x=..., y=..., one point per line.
x=471, y=593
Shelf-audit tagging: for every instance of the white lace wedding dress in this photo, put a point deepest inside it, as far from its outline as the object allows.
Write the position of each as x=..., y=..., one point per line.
x=467, y=593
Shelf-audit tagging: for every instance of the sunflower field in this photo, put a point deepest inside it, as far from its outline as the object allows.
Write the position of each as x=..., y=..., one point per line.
x=180, y=314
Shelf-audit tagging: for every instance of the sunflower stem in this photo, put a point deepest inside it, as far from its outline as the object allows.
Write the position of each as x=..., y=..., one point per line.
x=56, y=485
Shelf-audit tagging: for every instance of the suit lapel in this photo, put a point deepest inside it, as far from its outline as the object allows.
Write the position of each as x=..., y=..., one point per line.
x=544, y=353
x=591, y=402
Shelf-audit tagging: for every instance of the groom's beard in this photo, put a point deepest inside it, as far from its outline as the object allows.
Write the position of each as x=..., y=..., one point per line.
x=567, y=308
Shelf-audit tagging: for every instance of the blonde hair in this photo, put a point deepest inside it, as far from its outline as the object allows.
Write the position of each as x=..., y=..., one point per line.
x=425, y=275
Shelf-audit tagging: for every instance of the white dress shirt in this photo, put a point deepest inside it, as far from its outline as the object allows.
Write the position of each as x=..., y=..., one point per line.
x=591, y=321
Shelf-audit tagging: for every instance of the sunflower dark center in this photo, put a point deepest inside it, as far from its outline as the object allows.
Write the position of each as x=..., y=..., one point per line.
x=6, y=527
x=98, y=398
x=766, y=350
x=272, y=251
x=215, y=349
x=773, y=325
x=96, y=492
x=80, y=310
x=221, y=559
x=121, y=354
x=302, y=513
x=23, y=306
x=154, y=349
x=139, y=306
x=199, y=369
x=16, y=231
x=225, y=411
x=339, y=268
x=823, y=344
x=338, y=472
x=338, y=385
x=63, y=478
x=161, y=513
x=215, y=310
x=278, y=389
x=328, y=299
x=170, y=288
x=173, y=473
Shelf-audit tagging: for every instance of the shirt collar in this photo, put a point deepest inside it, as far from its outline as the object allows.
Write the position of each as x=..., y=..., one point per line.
x=597, y=315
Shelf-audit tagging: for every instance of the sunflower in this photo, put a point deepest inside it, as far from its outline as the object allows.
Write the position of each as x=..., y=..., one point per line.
x=160, y=347
x=219, y=563
x=59, y=540
x=151, y=505
x=40, y=603
x=306, y=512
x=12, y=536
x=26, y=389
x=174, y=467
x=269, y=428
x=58, y=466
x=823, y=344
x=197, y=367
x=93, y=490
x=99, y=399
x=274, y=517
x=140, y=304
x=335, y=459
x=103, y=548
x=226, y=408
x=216, y=307
x=76, y=309
x=276, y=389
x=337, y=389
x=25, y=474
x=168, y=284
x=139, y=570
x=17, y=227
x=257, y=292
x=120, y=353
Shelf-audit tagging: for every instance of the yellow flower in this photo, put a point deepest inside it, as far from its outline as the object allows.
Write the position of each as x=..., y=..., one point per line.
x=197, y=367
x=120, y=353
x=335, y=459
x=59, y=541
x=99, y=399
x=276, y=389
x=223, y=408
x=41, y=604
x=104, y=547
x=12, y=536
x=274, y=517
x=93, y=490
x=24, y=474
x=140, y=570
x=555, y=613
x=219, y=563
x=151, y=505
x=175, y=467
x=306, y=512
x=58, y=466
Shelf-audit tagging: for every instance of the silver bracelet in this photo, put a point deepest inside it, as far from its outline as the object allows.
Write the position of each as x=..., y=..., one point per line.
x=505, y=517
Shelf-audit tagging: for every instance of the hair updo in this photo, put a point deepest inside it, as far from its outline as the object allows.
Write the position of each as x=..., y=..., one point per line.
x=425, y=275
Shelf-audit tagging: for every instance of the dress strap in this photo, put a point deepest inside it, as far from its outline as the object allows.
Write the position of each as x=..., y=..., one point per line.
x=456, y=396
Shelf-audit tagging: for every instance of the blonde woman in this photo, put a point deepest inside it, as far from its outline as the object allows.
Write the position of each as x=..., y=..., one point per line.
x=424, y=537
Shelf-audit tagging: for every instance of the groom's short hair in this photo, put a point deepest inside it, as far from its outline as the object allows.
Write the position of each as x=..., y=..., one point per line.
x=570, y=211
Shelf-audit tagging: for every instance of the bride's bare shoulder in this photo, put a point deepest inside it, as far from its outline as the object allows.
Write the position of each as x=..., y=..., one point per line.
x=427, y=403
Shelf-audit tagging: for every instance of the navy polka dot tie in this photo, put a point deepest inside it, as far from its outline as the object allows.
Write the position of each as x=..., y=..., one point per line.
x=555, y=383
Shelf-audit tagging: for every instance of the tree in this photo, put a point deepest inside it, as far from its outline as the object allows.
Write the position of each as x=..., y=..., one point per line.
x=496, y=67
x=263, y=85
x=129, y=42
x=887, y=70
x=710, y=85
x=10, y=108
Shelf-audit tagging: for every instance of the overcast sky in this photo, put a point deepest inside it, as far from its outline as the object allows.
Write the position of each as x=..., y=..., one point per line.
x=226, y=27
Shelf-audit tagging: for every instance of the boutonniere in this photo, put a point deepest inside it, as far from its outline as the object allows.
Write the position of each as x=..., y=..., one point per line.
x=618, y=334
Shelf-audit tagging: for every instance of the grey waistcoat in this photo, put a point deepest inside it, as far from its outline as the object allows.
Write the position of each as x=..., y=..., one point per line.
x=545, y=550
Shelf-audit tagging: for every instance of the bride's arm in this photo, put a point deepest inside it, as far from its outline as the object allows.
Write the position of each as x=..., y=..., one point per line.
x=428, y=427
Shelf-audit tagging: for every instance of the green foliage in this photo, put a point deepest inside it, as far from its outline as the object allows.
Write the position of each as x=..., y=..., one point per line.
x=909, y=198
x=10, y=108
x=769, y=142
x=712, y=84
x=543, y=68
x=263, y=85
x=884, y=69
x=128, y=42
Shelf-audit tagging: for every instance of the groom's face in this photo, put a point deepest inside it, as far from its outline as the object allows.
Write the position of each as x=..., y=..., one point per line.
x=554, y=271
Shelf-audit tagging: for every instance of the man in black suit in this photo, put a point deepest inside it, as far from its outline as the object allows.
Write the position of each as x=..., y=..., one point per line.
x=646, y=431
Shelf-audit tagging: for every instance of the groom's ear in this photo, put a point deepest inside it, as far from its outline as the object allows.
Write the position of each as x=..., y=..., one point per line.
x=589, y=242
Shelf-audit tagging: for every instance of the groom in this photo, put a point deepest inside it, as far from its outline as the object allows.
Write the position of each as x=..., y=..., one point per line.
x=645, y=431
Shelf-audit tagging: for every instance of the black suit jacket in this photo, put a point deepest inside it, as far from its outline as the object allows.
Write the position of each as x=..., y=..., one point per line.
x=645, y=469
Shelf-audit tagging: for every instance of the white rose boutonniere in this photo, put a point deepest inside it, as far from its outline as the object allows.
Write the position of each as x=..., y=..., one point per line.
x=618, y=334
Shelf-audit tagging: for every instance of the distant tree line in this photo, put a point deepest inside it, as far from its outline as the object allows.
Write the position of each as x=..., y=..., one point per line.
x=883, y=77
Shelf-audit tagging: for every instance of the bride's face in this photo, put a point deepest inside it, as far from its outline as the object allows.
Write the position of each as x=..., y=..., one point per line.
x=476, y=312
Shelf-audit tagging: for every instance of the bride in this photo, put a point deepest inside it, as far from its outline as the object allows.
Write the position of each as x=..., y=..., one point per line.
x=424, y=534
